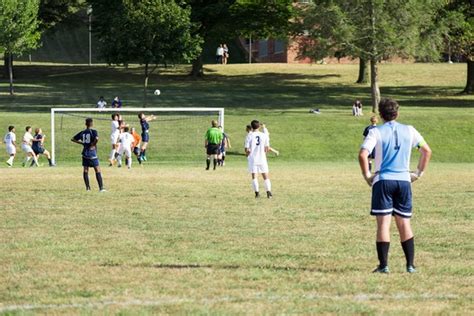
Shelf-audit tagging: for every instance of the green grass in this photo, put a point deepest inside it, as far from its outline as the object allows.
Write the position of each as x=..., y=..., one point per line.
x=172, y=238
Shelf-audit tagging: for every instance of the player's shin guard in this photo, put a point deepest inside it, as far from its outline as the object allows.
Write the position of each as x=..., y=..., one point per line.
x=98, y=176
x=85, y=175
x=255, y=185
x=268, y=185
x=409, y=250
x=208, y=163
x=382, y=253
x=215, y=163
x=112, y=154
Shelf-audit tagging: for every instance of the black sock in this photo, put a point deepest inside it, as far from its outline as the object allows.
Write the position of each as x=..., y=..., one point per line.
x=85, y=175
x=32, y=163
x=382, y=252
x=215, y=163
x=208, y=163
x=98, y=176
x=50, y=162
x=409, y=250
x=139, y=160
x=223, y=158
x=143, y=152
x=126, y=161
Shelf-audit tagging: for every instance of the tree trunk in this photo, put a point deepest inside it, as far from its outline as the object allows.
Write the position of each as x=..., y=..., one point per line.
x=10, y=72
x=198, y=69
x=146, y=77
x=363, y=71
x=374, y=85
x=469, y=89
x=6, y=63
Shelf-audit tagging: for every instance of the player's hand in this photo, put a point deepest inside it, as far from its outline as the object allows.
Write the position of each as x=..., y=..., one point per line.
x=415, y=175
x=368, y=177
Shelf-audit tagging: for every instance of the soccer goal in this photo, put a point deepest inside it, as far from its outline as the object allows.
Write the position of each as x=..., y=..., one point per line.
x=177, y=134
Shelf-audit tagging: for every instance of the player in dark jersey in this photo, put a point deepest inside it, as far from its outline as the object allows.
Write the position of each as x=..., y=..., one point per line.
x=38, y=146
x=373, y=122
x=145, y=136
x=88, y=138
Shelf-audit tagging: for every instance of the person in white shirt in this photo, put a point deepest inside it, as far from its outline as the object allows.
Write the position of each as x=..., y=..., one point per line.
x=257, y=145
x=114, y=137
x=10, y=142
x=101, y=104
x=26, y=147
x=265, y=131
x=126, y=140
x=219, y=54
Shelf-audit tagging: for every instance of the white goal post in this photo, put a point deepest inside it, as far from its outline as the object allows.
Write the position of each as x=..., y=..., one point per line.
x=55, y=111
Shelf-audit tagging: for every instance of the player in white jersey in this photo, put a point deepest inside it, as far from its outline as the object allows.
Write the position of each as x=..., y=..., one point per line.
x=256, y=148
x=10, y=142
x=26, y=147
x=265, y=131
x=391, y=184
x=114, y=137
x=126, y=140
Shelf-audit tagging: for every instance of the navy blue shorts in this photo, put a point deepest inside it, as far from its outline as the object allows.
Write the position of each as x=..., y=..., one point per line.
x=392, y=197
x=38, y=150
x=86, y=162
x=145, y=137
x=136, y=150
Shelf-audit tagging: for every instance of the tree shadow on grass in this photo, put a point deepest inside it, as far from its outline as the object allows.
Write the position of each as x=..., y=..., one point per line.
x=41, y=87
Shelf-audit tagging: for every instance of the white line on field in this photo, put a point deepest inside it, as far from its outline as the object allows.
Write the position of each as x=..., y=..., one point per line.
x=174, y=301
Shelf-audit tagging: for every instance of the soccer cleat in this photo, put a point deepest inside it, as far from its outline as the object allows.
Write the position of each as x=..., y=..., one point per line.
x=23, y=164
x=411, y=269
x=380, y=269
x=102, y=190
x=8, y=163
x=144, y=158
x=88, y=189
x=119, y=166
x=257, y=195
x=269, y=194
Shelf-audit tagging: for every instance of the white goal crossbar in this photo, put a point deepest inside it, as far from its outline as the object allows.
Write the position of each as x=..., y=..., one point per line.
x=119, y=110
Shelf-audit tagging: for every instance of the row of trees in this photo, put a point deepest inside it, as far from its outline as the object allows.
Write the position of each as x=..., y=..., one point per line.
x=154, y=32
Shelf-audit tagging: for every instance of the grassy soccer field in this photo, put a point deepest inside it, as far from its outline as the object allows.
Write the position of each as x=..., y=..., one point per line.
x=171, y=238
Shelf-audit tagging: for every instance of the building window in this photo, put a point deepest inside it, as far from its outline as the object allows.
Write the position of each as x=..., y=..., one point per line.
x=262, y=48
x=279, y=46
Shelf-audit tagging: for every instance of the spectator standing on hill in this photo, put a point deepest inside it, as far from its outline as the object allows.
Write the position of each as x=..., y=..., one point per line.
x=391, y=182
x=225, y=55
x=219, y=54
x=116, y=103
x=101, y=104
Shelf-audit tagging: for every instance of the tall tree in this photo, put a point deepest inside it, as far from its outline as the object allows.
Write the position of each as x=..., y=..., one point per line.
x=18, y=30
x=52, y=12
x=148, y=32
x=371, y=30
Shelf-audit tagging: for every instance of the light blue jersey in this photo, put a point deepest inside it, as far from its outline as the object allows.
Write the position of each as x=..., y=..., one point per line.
x=393, y=143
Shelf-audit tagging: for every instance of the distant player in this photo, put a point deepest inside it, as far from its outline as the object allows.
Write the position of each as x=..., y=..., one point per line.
x=136, y=144
x=213, y=139
x=114, y=137
x=88, y=138
x=373, y=123
x=26, y=147
x=125, y=148
x=257, y=145
x=10, y=142
x=145, y=133
x=391, y=183
x=265, y=131
x=225, y=143
x=38, y=146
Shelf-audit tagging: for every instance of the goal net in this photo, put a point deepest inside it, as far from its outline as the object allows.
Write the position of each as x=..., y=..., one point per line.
x=176, y=134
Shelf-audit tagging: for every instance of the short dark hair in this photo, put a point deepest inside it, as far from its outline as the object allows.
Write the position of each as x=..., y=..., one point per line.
x=140, y=115
x=388, y=109
x=27, y=128
x=89, y=122
x=114, y=115
x=255, y=124
x=125, y=129
x=10, y=128
x=248, y=128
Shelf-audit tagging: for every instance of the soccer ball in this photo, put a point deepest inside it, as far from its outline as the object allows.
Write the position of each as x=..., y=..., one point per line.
x=157, y=92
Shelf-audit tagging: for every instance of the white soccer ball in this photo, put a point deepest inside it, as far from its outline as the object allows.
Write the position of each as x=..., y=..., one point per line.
x=157, y=92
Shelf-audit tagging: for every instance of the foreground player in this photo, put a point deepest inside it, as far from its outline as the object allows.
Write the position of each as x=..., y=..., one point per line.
x=38, y=146
x=145, y=133
x=27, y=141
x=257, y=145
x=213, y=138
x=391, y=187
x=88, y=138
x=10, y=142
x=125, y=148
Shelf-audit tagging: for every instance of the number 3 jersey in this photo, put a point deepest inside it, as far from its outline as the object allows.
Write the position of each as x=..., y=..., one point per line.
x=393, y=143
x=88, y=138
x=256, y=143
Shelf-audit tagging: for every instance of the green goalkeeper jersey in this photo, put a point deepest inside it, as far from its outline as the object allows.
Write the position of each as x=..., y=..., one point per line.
x=214, y=135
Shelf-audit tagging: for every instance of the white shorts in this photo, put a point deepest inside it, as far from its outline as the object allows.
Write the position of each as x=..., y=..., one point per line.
x=11, y=150
x=125, y=150
x=262, y=168
x=114, y=137
x=27, y=148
